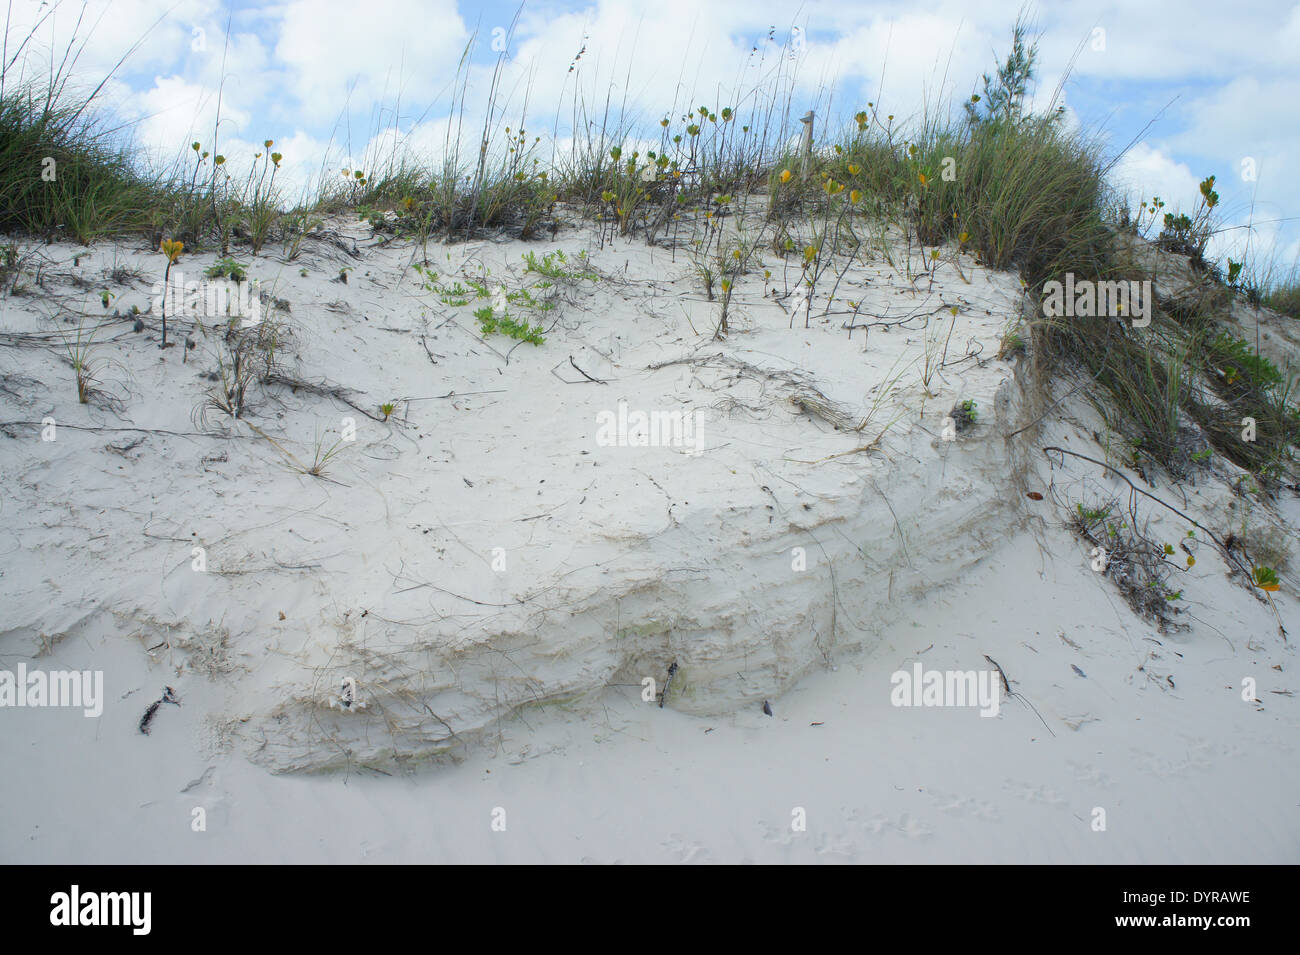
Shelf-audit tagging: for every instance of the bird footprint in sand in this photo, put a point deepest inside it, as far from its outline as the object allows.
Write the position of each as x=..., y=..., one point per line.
x=964, y=806
x=1039, y=793
x=685, y=851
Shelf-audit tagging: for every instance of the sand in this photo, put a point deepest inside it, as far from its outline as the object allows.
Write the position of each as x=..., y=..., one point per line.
x=437, y=649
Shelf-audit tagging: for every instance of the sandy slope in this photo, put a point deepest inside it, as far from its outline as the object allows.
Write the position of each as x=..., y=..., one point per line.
x=618, y=562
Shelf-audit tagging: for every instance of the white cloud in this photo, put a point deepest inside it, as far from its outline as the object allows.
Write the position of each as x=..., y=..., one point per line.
x=1145, y=172
x=338, y=53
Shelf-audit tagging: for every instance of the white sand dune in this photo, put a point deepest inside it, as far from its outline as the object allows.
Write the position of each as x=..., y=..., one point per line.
x=497, y=583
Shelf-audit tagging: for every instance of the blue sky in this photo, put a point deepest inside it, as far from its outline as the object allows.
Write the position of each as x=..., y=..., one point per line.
x=1209, y=88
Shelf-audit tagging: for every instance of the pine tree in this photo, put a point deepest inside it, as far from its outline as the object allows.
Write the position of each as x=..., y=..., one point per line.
x=1004, y=96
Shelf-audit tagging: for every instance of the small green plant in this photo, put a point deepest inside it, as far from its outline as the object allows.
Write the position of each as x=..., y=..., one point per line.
x=708, y=278
x=79, y=356
x=628, y=181
x=1241, y=364
x=227, y=267
x=237, y=371
x=1266, y=579
x=1135, y=454
x=454, y=295
x=495, y=317
x=297, y=227
x=9, y=266
x=1013, y=343
x=172, y=249
x=387, y=408
x=1092, y=515
x=323, y=456
x=964, y=414
x=490, y=322
x=375, y=218
x=1135, y=563
x=524, y=298
x=554, y=265
x=1189, y=235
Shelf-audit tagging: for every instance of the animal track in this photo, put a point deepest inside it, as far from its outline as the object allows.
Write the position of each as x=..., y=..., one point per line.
x=956, y=805
x=687, y=852
x=1031, y=793
x=878, y=823
x=1088, y=774
x=912, y=828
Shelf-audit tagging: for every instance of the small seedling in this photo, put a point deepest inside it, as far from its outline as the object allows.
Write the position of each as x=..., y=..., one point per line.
x=227, y=267
x=1012, y=344
x=963, y=414
x=322, y=457
x=172, y=249
x=1091, y=516
x=1266, y=579
x=79, y=356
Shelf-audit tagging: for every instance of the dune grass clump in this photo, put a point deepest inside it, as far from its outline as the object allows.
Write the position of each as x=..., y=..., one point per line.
x=513, y=196
x=1284, y=298
x=63, y=173
x=79, y=357
x=67, y=170
x=1017, y=190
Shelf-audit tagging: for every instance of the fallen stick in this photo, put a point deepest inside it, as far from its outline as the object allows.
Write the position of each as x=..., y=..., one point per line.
x=672, y=668
x=455, y=394
x=584, y=374
x=1006, y=685
x=323, y=389
x=78, y=427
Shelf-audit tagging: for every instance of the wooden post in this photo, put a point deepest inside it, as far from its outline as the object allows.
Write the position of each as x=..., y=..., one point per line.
x=805, y=149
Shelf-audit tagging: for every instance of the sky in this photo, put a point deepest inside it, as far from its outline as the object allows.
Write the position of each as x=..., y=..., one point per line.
x=1176, y=89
